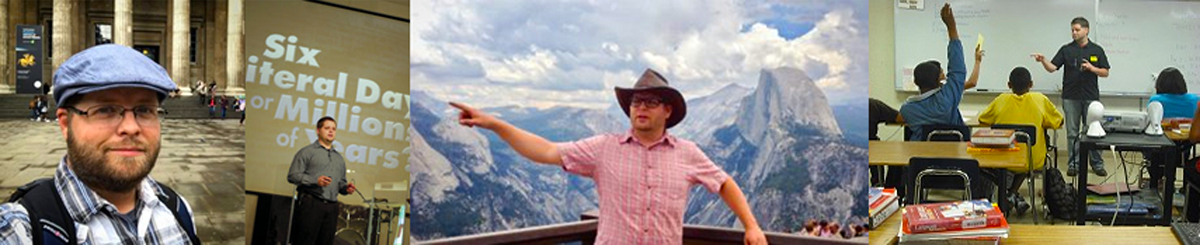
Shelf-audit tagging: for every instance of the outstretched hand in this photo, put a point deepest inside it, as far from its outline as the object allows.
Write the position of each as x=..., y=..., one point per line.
x=471, y=117
x=1038, y=57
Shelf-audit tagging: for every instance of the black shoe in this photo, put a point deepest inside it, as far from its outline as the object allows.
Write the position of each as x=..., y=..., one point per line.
x=1020, y=203
x=1100, y=172
x=1071, y=172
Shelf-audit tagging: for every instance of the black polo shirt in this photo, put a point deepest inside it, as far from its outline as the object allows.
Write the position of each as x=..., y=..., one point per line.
x=1079, y=84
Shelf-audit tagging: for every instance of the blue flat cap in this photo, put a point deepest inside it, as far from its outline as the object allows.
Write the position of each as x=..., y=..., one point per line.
x=109, y=66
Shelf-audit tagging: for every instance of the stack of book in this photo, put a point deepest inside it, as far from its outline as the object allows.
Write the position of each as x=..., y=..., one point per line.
x=962, y=222
x=994, y=138
x=884, y=203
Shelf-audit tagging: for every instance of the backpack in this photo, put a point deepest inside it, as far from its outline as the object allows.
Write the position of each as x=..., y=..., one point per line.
x=47, y=212
x=1060, y=197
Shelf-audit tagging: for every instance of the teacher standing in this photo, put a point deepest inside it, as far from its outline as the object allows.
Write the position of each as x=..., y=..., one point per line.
x=1083, y=63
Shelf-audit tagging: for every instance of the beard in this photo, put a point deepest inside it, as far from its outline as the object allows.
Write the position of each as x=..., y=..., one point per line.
x=649, y=125
x=91, y=165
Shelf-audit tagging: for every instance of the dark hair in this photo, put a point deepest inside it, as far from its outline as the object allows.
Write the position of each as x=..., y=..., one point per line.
x=1082, y=22
x=1019, y=80
x=927, y=74
x=323, y=119
x=1170, y=81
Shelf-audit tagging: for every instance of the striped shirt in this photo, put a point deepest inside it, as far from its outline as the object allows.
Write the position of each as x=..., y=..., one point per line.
x=96, y=219
x=643, y=190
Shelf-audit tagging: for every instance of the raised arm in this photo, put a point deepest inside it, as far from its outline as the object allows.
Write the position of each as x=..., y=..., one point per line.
x=948, y=18
x=530, y=146
x=956, y=67
x=974, y=79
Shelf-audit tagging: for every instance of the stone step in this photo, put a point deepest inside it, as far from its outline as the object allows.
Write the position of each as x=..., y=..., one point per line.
x=16, y=106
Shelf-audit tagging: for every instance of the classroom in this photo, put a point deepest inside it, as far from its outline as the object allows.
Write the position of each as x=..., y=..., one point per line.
x=1022, y=72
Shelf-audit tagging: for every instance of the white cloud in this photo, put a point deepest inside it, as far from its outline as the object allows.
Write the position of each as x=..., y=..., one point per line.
x=545, y=53
x=531, y=67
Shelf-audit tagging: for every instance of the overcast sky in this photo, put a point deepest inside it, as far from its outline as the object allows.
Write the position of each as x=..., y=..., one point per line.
x=546, y=53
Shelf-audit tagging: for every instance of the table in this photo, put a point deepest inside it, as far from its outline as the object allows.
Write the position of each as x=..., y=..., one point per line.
x=1129, y=142
x=897, y=153
x=1174, y=136
x=1053, y=234
x=1191, y=179
x=886, y=232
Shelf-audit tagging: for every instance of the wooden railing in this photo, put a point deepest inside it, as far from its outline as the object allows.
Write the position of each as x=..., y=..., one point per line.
x=584, y=231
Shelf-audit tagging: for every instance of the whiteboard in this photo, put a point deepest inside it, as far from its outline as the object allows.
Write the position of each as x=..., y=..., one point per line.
x=1143, y=37
x=1140, y=37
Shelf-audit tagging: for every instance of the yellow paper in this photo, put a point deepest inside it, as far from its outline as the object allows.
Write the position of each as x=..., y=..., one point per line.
x=979, y=42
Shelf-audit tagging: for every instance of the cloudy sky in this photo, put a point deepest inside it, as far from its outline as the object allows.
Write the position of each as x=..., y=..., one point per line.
x=546, y=53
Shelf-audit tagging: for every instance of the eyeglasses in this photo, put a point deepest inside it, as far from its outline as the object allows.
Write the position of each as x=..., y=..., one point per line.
x=647, y=101
x=111, y=115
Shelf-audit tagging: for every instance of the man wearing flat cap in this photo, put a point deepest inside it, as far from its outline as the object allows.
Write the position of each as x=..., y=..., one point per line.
x=108, y=99
x=642, y=176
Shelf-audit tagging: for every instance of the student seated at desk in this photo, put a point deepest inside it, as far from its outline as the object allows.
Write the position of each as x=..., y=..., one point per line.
x=879, y=112
x=1026, y=108
x=938, y=103
x=1171, y=91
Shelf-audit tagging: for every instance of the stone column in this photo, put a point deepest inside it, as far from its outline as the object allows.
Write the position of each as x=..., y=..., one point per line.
x=123, y=22
x=235, y=51
x=180, y=29
x=6, y=79
x=63, y=39
x=214, y=54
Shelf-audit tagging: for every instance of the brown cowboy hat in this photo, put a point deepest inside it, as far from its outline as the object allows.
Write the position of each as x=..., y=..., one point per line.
x=653, y=82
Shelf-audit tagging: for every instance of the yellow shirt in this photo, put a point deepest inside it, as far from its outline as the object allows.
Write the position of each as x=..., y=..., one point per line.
x=1032, y=108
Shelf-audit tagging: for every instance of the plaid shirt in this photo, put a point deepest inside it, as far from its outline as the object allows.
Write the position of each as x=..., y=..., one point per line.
x=642, y=190
x=95, y=218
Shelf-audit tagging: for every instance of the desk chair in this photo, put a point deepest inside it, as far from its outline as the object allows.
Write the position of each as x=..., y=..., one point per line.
x=941, y=173
x=943, y=132
x=1024, y=134
x=938, y=132
x=1051, y=148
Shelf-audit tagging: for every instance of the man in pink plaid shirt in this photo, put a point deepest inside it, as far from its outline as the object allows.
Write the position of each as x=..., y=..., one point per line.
x=642, y=176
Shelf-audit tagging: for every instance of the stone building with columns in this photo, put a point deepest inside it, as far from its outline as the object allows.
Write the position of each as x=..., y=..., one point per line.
x=194, y=40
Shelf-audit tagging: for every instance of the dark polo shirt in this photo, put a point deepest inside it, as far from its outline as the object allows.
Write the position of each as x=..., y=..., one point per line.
x=1079, y=84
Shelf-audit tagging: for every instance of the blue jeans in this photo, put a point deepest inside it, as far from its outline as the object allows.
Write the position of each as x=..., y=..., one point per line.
x=1075, y=111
